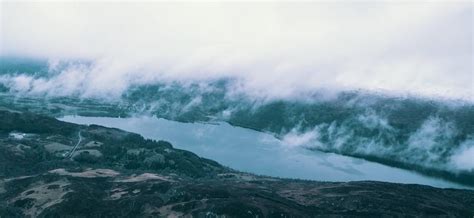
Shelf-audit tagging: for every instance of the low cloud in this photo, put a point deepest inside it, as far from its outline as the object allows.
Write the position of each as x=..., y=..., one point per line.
x=273, y=49
x=297, y=138
x=463, y=156
x=432, y=145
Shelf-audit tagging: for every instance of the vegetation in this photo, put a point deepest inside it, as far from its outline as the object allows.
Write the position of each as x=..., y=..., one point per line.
x=119, y=174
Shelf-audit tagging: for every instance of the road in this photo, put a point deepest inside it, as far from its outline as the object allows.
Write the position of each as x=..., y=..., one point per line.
x=71, y=153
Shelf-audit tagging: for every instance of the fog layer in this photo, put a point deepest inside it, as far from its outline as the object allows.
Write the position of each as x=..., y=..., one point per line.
x=273, y=49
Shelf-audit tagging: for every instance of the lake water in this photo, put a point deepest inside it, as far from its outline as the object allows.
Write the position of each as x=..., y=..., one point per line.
x=260, y=153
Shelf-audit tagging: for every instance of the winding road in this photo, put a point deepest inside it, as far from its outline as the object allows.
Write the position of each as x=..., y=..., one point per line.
x=71, y=153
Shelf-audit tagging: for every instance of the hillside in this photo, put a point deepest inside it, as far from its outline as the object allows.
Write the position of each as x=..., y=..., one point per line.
x=52, y=168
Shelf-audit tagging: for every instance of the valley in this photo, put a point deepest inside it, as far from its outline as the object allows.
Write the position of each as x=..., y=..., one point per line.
x=117, y=173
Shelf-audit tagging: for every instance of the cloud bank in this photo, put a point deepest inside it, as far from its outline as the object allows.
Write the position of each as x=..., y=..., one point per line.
x=275, y=49
x=431, y=146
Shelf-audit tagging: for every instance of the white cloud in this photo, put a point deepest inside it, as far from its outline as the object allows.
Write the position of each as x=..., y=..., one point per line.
x=276, y=48
x=428, y=144
x=295, y=138
x=463, y=157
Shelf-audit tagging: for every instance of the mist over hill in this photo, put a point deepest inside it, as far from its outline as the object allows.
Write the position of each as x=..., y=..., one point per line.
x=429, y=135
x=121, y=174
x=387, y=84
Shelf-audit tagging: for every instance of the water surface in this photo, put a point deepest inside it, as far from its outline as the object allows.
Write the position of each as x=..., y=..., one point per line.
x=260, y=153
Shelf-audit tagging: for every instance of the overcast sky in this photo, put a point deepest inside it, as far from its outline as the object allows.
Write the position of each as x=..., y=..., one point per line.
x=278, y=49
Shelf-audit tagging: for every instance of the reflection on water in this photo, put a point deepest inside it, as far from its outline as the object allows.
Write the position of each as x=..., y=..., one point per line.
x=259, y=153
